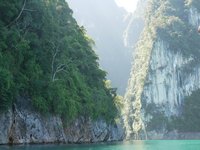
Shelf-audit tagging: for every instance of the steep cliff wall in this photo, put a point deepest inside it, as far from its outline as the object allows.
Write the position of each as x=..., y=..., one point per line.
x=168, y=81
x=172, y=69
x=22, y=124
x=172, y=76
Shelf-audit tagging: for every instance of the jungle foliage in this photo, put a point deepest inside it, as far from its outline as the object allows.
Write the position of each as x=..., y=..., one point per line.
x=169, y=21
x=47, y=57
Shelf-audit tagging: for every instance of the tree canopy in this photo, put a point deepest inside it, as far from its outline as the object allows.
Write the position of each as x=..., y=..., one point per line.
x=46, y=57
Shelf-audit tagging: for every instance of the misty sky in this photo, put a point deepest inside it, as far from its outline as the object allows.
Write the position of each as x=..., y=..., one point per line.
x=129, y=5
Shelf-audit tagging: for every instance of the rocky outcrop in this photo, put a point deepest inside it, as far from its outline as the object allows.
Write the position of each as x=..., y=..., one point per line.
x=171, y=76
x=22, y=124
x=170, y=79
x=161, y=77
x=84, y=130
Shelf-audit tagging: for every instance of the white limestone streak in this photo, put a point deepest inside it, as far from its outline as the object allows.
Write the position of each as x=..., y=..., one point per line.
x=167, y=81
x=194, y=17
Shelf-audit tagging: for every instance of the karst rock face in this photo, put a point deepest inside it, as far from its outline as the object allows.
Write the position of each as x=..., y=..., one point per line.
x=163, y=73
x=22, y=124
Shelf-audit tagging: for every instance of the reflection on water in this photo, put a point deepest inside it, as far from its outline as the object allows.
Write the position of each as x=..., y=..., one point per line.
x=128, y=145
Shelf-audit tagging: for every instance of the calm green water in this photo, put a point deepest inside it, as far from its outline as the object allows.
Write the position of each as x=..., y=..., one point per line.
x=134, y=145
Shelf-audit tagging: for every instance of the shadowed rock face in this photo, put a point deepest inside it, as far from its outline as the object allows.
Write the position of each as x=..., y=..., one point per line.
x=24, y=125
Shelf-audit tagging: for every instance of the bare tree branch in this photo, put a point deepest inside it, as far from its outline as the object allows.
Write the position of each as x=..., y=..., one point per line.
x=57, y=65
x=59, y=68
x=54, y=53
x=18, y=15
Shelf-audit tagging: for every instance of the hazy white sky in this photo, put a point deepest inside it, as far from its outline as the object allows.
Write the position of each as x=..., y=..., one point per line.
x=129, y=5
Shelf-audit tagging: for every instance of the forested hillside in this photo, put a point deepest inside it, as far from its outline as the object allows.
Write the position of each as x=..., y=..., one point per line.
x=45, y=57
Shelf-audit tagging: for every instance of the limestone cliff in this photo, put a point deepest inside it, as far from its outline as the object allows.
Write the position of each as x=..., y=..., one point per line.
x=22, y=124
x=163, y=73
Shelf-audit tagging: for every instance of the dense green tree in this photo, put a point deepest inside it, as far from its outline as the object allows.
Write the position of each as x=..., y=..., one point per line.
x=168, y=20
x=47, y=57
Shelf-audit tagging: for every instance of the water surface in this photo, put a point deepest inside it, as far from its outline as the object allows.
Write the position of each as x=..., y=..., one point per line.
x=133, y=145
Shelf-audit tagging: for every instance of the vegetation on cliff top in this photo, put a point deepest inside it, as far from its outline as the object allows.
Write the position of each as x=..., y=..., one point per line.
x=169, y=21
x=47, y=57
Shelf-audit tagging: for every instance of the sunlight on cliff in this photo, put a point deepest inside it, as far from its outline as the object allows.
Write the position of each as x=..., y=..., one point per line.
x=132, y=114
